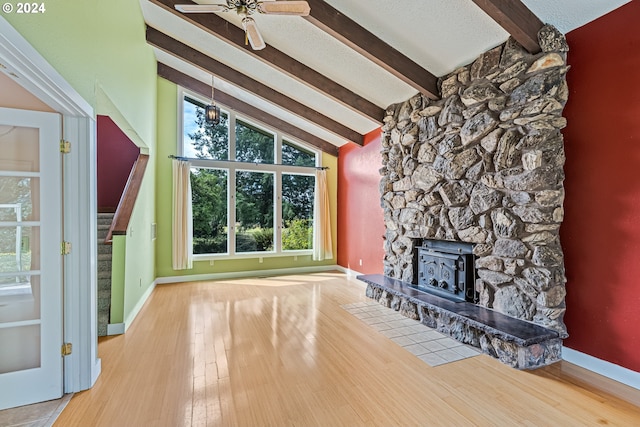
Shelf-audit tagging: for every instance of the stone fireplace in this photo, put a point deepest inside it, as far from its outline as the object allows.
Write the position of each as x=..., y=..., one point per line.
x=484, y=166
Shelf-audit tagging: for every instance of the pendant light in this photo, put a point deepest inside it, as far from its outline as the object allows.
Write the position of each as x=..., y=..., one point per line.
x=212, y=111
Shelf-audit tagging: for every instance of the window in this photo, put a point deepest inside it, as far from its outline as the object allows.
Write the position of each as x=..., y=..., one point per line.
x=252, y=189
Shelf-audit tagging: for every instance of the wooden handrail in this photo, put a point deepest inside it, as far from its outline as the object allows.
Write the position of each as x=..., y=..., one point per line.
x=128, y=199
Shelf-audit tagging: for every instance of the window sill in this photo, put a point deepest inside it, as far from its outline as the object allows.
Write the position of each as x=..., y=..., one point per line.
x=251, y=255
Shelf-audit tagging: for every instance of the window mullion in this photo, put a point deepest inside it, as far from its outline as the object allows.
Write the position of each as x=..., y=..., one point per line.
x=277, y=206
x=277, y=194
x=232, y=184
x=232, y=135
x=278, y=152
x=231, y=214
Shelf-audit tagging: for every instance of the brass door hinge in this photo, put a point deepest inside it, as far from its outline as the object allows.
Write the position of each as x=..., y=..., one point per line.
x=65, y=146
x=65, y=248
x=66, y=349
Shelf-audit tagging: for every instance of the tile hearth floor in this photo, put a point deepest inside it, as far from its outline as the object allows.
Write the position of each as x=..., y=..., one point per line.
x=425, y=343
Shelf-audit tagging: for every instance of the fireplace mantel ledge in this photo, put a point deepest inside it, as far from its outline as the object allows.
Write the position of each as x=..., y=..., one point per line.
x=508, y=329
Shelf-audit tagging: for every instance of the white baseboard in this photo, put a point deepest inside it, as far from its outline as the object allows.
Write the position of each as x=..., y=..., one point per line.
x=143, y=299
x=241, y=274
x=602, y=367
x=349, y=272
x=115, y=329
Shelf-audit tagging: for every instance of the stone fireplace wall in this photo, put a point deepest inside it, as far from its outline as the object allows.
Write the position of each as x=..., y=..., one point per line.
x=484, y=165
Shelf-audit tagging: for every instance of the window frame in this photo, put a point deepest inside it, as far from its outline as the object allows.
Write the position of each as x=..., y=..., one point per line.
x=232, y=166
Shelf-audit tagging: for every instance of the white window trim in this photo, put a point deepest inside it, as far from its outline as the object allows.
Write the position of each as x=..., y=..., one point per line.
x=231, y=166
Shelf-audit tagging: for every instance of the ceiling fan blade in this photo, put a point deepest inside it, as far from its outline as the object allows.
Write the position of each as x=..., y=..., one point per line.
x=201, y=8
x=299, y=8
x=254, y=36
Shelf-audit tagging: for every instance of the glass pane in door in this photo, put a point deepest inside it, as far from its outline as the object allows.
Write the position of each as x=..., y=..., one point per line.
x=20, y=302
x=20, y=348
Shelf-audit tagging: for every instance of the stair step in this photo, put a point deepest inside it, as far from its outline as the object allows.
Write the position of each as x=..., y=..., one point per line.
x=104, y=293
x=104, y=220
x=104, y=284
x=104, y=257
x=104, y=249
x=104, y=265
x=104, y=304
x=102, y=233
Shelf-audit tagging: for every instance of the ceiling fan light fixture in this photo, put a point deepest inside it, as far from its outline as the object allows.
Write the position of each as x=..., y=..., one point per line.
x=245, y=9
x=253, y=35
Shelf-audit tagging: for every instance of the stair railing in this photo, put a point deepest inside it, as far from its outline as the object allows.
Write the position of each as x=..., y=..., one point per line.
x=128, y=199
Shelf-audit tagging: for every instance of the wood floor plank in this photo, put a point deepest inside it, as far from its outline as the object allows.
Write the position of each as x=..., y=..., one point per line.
x=282, y=351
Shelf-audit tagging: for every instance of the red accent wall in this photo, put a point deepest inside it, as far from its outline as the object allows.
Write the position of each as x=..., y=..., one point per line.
x=360, y=218
x=601, y=229
x=116, y=156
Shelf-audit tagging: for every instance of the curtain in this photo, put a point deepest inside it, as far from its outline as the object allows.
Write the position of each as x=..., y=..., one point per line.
x=321, y=219
x=182, y=244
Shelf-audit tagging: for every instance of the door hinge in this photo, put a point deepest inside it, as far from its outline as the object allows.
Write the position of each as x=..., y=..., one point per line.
x=65, y=146
x=66, y=349
x=65, y=248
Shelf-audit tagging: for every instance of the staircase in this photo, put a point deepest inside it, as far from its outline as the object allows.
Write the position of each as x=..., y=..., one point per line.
x=104, y=273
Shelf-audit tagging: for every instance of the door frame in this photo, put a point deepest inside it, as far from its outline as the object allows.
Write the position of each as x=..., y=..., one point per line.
x=28, y=68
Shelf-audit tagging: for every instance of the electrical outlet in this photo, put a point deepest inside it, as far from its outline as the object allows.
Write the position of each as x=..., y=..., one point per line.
x=360, y=263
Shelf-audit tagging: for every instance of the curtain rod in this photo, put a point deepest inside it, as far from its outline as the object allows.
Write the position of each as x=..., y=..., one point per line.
x=171, y=156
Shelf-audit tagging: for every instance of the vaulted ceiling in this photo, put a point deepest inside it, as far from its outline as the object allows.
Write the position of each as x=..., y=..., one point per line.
x=326, y=78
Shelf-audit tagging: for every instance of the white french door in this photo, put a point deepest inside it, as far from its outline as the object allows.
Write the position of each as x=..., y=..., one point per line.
x=30, y=260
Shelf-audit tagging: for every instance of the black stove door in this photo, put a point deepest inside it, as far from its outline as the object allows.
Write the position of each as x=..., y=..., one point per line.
x=438, y=271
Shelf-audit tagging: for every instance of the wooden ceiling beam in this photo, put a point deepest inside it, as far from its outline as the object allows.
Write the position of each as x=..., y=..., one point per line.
x=220, y=28
x=516, y=18
x=371, y=47
x=198, y=59
x=242, y=107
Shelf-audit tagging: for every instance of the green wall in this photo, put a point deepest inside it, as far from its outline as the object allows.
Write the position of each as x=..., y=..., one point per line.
x=96, y=43
x=167, y=145
x=99, y=47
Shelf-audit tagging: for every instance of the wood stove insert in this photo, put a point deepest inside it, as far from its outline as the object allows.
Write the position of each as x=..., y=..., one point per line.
x=446, y=268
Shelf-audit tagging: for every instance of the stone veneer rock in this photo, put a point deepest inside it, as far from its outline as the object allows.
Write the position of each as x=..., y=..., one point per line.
x=484, y=165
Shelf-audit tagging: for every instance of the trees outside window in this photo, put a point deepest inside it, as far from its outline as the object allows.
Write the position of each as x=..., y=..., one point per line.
x=252, y=190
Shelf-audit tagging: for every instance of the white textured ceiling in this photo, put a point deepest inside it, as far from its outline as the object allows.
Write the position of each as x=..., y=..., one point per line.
x=439, y=35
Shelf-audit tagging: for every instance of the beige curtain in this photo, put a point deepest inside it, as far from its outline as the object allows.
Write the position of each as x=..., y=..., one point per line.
x=182, y=216
x=322, y=219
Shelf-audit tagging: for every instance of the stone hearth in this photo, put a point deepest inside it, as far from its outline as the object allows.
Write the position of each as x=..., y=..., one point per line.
x=484, y=165
x=519, y=344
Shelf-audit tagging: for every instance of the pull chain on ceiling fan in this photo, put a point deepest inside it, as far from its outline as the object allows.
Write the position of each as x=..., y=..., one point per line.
x=246, y=8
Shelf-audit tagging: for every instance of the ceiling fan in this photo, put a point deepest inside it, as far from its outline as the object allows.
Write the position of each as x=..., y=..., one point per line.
x=246, y=8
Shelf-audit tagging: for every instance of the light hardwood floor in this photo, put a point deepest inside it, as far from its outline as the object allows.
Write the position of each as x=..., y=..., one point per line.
x=282, y=352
